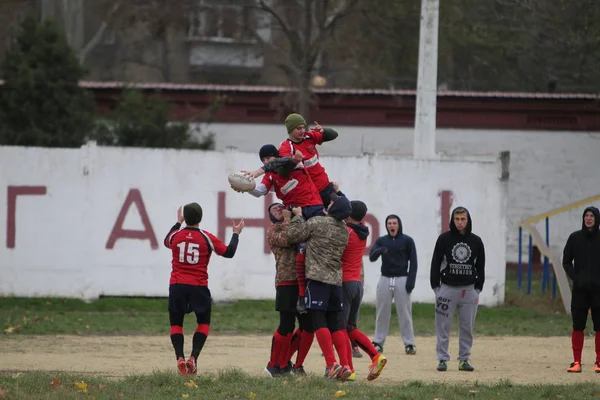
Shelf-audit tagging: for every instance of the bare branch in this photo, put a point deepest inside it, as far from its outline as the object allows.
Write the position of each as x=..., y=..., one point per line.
x=100, y=32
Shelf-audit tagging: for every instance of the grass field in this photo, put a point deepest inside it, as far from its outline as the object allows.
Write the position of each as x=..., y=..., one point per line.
x=534, y=315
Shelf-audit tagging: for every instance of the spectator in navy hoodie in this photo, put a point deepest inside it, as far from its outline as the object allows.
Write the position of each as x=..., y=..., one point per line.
x=397, y=281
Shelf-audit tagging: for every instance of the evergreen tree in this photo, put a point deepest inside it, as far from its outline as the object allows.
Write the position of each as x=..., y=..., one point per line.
x=41, y=103
x=143, y=121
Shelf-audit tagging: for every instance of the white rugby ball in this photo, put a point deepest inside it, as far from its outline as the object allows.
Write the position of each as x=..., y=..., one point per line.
x=240, y=181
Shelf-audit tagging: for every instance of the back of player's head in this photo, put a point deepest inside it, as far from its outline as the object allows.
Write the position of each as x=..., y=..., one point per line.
x=268, y=150
x=359, y=210
x=192, y=213
x=293, y=121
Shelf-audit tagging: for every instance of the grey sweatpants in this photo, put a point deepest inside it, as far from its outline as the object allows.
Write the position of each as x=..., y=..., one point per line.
x=449, y=298
x=388, y=290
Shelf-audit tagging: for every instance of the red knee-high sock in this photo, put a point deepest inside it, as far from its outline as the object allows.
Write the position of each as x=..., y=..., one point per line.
x=349, y=350
x=597, y=346
x=300, y=273
x=341, y=343
x=364, y=343
x=294, y=344
x=577, y=344
x=278, y=340
x=325, y=343
x=283, y=352
x=306, y=341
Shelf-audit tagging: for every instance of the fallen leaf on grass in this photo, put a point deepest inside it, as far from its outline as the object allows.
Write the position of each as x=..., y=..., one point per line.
x=81, y=385
x=2, y=393
x=191, y=384
x=339, y=393
x=185, y=395
x=11, y=329
x=17, y=375
x=473, y=391
x=251, y=395
x=87, y=327
x=55, y=382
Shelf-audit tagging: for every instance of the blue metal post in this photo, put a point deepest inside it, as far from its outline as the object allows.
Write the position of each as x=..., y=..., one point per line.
x=529, y=265
x=520, y=266
x=546, y=276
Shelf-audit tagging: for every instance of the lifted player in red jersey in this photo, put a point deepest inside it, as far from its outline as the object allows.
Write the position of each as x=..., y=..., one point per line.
x=188, y=287
x=299, y=140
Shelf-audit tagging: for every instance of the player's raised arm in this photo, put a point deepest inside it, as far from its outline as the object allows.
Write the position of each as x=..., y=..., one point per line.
x=229, y=250
x=174, y=229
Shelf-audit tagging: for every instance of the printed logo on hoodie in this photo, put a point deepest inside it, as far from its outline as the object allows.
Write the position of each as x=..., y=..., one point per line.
x=461, y=252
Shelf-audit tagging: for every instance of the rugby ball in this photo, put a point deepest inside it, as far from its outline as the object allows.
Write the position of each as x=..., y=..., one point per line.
x=241, y=182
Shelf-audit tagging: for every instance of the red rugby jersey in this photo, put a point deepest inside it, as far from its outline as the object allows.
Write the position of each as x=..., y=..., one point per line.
x=296, y=190
x=191, y=249
x=352, y=257
x=310, y=156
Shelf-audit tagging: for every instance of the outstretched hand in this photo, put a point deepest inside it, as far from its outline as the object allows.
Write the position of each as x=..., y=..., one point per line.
x=297, y=157
x=239, y=227
x=318, y=127
x=180, y=214
x=254, y=174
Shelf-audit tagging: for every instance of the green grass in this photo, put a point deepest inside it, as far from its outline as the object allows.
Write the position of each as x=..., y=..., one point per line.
x=148, y=316
x=536, y=314
x=233, y=384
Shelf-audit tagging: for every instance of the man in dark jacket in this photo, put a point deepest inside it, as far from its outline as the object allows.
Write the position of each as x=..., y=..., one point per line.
x=581, y=261
x=457, y=276
x=397, y=281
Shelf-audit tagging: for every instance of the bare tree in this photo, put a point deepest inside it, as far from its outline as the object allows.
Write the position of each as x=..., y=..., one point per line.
x=305, y=26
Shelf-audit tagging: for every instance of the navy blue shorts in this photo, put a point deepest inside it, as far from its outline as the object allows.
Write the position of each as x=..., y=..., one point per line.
x=286, y=298
x=323, y=296
x=312, y=211
x=188, y=298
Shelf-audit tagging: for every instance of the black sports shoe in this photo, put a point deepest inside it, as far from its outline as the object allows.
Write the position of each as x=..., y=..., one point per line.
x=287, y=370
x=273, y=372
x=299, y=370
x=410, y=349
x=442, y=366
x=463, y=365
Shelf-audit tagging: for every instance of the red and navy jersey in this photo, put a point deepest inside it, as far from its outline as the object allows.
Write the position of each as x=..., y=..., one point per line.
x=310, y=156
x=296, y=190
x=352, y=256
x=191, y=249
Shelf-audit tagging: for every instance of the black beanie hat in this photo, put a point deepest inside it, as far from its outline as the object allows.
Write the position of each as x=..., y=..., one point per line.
x=192, y=213
x=268, y=150
x=359, y=210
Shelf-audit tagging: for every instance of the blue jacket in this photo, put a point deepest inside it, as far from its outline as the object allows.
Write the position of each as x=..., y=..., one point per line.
x=398, y=254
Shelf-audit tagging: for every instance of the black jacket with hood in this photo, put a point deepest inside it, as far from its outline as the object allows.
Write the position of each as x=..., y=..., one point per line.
x=401, y=256
x=458, y=259
x=581, y=256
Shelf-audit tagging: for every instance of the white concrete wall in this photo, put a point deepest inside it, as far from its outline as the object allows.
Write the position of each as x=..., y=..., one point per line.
x=59, y=244
x=547, y=169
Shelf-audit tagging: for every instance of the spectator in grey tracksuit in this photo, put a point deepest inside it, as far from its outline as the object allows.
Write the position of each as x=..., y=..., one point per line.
x=398, y=274
x=457, y=276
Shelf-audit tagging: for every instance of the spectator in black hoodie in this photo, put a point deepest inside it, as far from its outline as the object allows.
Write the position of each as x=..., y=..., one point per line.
x=398, y=274
x=581, y=261
x=457, y=276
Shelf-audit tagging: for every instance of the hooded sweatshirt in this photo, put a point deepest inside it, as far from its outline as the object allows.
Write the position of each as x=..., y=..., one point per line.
x=354, y=251
x=458, y=258
x=400, y=259
x=581, y=256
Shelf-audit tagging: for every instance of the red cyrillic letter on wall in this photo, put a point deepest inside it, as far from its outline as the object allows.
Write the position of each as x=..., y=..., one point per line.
x=11, y=213
x=134, y=196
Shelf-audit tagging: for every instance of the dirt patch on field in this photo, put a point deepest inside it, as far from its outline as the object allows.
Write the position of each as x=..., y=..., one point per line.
x=518, y=359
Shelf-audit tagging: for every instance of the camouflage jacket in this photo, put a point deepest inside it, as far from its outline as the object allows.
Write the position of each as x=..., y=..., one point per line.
x=284, y=252
x=325, y=239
